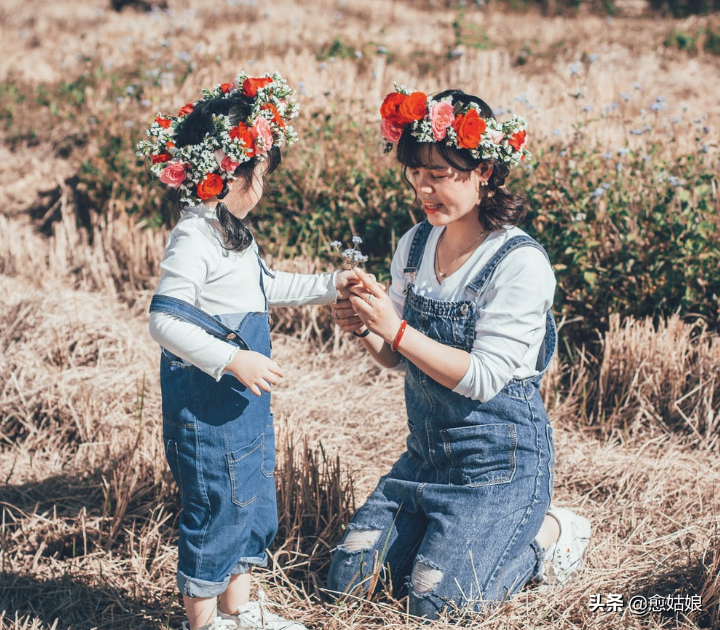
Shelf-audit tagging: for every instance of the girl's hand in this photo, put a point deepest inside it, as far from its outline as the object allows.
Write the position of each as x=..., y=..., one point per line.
x=373, y=306
x=254, y=370
x=343, y=280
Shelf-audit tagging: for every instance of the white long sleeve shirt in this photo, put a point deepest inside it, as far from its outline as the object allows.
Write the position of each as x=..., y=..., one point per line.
x=197, y=269
x=510, y=325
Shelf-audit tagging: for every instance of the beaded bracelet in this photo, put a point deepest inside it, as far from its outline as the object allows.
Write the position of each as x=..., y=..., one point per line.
x=362, y=334
x=399, y=336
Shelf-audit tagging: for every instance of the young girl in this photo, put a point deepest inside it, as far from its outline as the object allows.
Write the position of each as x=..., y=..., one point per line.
x=210, y=315
x=464, y=511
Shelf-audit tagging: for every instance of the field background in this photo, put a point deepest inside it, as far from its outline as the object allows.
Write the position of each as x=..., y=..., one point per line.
x=624, y=110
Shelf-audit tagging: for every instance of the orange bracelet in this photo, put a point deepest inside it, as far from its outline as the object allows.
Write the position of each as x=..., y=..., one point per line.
x=399, y=336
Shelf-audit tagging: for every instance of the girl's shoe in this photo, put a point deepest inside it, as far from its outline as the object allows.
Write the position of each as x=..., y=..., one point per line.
x=217, y=624
x=564, y=557
x=255, y=616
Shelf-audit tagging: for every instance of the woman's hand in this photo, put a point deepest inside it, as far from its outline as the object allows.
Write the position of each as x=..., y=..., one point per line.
x=254, y=370
x=373, y=306
x=345, y=316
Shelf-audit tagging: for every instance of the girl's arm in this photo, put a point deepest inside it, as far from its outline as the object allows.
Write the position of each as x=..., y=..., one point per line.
x=294, y=289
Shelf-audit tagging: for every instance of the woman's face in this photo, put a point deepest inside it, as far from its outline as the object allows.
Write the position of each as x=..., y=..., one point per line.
x=242, y=197
x=447, y=194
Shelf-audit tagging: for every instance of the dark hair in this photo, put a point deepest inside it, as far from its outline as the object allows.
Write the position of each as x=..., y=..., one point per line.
x=236, y=233
x=496, y=209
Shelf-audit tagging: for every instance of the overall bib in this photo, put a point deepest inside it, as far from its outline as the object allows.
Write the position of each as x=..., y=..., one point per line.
x=460, y=509
x=220, y=447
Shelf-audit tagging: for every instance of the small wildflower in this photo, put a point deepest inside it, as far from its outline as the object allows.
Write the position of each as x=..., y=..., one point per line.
x=351, y=256
x=580, y=216
x=587, y=108
x=676, y=119
x=575, y=69
x=556, y=132
x=597, y=192
x=593, y=57
x=607, y=155
x=623, y=151
x=637, y=86
x=625, y=96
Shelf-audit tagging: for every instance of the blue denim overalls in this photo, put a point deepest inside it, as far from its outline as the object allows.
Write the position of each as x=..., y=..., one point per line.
x=220, y=447
x=461, y=507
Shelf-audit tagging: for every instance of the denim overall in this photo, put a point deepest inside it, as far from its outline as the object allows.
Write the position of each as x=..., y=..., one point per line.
x=220, y=447
x=461, y=507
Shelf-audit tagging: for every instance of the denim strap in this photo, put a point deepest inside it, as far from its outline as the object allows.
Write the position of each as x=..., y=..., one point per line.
x=194, y=315
x=478, y=284
x=417, y=248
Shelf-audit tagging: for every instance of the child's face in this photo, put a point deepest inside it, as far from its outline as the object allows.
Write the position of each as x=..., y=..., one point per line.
x=447, y=194
x=242, y=199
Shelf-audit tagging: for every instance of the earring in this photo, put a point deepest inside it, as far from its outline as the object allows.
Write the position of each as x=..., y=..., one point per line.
x=484, y=182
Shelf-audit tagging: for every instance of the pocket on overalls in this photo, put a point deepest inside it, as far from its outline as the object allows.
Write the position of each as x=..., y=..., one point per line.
x=268, y=460
x=173, y=459
x=245, y=468
x=481, y=455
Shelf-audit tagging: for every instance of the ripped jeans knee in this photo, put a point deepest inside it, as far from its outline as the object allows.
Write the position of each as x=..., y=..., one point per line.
x=425, y=576
x=360, y=540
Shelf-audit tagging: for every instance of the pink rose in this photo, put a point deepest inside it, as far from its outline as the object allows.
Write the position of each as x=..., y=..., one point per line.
x=224, y=161
x=263, y=130
x=173, y=174
x=496, y=136
x=441, y=117
x=390, y=132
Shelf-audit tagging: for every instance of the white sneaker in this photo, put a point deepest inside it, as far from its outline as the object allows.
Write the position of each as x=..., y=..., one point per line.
x=564, y=557
x=254, y=616
x=217, y=624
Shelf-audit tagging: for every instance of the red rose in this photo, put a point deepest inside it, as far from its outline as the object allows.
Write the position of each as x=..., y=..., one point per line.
x=469, y=128
x=517, y=140
x=276, y=114
x=245, y=136
x=186, y=109
x=225, y=87
x=414, y=107
x=391, y=105
x=250, y=85
x=163, y=122
x=211, y=186
x=160, y=158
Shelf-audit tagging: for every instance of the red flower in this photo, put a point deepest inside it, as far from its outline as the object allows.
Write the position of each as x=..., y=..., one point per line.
x=186, y=109
x=469, y=128
x=414, y=107
x=250, y=85
x=163, y=122
x=245, y=136
x=225, y=87
x=211, y=186
x=391, y=105
x=517, y=141
x=276, y=114
x=160, y=158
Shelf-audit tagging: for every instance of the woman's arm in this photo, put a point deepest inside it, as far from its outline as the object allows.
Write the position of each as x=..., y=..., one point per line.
x=442, y=363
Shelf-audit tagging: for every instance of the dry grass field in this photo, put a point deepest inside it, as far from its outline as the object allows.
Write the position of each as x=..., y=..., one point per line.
x=88, y=510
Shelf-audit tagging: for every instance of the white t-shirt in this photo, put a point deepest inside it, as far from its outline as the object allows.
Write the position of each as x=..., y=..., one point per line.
x=197, y=269
x=510, y=327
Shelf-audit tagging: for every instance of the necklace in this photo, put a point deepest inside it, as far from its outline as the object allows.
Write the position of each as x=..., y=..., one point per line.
x=442, y=273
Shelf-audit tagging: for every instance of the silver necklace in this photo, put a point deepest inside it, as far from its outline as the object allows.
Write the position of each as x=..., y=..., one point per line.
x=442, y=273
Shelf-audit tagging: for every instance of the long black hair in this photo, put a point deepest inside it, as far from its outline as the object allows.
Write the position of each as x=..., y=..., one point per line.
x=236, y=233
x=499, y=207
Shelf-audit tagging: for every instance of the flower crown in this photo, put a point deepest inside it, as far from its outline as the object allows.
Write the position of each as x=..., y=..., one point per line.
x=200, y=170
x=458, y=125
